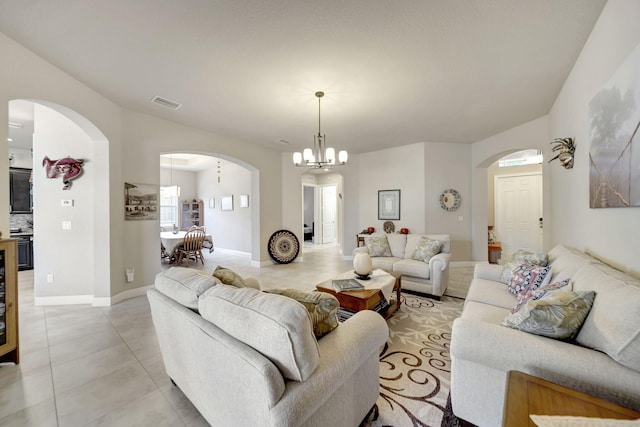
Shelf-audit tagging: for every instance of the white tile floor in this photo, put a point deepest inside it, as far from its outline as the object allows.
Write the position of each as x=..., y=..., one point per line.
x=101, y=366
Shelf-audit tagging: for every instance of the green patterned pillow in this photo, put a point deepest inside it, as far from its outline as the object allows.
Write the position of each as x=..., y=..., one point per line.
x=427, y=249
x=518, y=258
x=559, y=314
x=322, y=307
x=229, y=277
x=377, y=245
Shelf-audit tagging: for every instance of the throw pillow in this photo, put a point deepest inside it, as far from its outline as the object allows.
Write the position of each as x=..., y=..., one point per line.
x=229, y=277
x=517, y=258
x=536, y=294
x=427, y=249
x=377, y=246
x=322, y=307
x=527, y=276
x=559, y=314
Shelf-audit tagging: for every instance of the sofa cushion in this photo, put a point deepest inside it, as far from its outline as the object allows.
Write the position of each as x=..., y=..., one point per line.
x=565, y=262
x=478, y=311
x=491, y=293
x=559, y=314
x=184, y=285
x=411, y=267
x=276, y=326
x=536, y=294
x=377, y=245
x=322, y=307
x=527, y=277
x=397, y=244
x=613, y=326
x=427, y=249
x=229, y=277
x=517, y=258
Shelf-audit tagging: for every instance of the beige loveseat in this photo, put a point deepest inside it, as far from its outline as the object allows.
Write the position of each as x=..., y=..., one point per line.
x=425, y=277
x=603, y=359
x=249, y=358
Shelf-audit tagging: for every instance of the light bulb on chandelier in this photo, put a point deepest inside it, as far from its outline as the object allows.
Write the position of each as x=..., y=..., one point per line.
x=320, y=156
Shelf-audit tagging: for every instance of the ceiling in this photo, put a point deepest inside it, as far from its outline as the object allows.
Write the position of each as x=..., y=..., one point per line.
x=393, y=73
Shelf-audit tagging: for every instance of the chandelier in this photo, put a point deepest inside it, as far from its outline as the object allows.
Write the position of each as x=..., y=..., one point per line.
x=320, y=156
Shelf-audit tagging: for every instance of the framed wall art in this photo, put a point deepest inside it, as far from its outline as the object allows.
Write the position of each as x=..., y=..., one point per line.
x=226, y=203
x=140, y=202
x=389, y=204
x=614, y=158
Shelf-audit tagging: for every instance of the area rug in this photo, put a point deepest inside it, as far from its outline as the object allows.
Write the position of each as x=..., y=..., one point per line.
x=415, y=365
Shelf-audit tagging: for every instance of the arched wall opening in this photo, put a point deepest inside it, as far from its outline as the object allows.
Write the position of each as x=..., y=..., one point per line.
x=208, y=177
x=71, y=264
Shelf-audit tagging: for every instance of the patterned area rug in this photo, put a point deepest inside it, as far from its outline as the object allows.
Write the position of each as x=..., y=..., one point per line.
x=415, y=365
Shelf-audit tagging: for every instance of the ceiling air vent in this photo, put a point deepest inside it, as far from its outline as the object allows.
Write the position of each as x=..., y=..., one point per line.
x=165, y=102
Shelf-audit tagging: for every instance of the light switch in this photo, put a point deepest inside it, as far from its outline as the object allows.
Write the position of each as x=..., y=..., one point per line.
x=66, y=225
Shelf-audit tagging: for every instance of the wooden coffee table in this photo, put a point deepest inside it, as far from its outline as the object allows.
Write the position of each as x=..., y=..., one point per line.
x=527, y=395
x=365, y=299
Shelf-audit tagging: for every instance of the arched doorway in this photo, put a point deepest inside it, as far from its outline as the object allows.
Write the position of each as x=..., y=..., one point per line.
x=71, y=254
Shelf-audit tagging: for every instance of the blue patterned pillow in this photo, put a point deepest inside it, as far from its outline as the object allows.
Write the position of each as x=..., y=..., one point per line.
x=527, y=276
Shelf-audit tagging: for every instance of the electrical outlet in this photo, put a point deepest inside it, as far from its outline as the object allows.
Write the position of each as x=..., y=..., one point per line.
x=66, y=203
x=66, y=225
x=50, y=278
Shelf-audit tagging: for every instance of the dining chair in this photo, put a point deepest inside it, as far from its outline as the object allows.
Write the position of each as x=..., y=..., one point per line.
x=192, y=246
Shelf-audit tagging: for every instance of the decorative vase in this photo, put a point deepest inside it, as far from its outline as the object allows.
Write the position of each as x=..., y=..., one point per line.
x=362, y=264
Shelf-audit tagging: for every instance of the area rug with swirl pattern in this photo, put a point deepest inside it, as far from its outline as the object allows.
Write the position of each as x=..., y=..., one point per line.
x=415, y=365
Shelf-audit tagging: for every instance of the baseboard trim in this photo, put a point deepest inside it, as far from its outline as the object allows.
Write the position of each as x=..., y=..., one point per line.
x=122, y=296
x=63, y=300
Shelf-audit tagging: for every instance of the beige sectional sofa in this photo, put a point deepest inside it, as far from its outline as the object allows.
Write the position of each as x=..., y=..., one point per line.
x=425, y=277
x=250, y=358
x=602, y=360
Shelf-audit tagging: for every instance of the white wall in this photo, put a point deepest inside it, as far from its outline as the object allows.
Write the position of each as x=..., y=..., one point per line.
x=230, y=229
x=186, y=180
x=612, y=233
x=63, y=253
x=401, y=169
x=22, y=158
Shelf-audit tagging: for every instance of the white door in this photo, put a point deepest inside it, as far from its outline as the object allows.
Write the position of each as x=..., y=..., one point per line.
x=518, y=208
x=329, y=204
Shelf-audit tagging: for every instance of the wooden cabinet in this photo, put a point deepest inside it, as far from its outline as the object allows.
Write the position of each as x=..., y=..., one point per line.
x=192, y=214
x=20, y=195
x=9, y=351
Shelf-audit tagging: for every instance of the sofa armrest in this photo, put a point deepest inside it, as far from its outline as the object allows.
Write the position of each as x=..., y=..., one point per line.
x=342, y=353
x=439, y=262
x=487, y=271
x=503, y=349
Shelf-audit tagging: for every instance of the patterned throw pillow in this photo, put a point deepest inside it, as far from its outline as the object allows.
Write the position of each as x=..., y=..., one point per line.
x=322, y=307
x=377, y=245
x=536, y=294
x=559, y=314
x=229, y=277
x=527, y=277
x=519, y=257
x=427, y=249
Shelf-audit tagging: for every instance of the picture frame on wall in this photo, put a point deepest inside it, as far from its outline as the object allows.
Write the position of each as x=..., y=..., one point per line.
x=244, y=200
x=140, y=202
x=389, y=204
x=226, y=203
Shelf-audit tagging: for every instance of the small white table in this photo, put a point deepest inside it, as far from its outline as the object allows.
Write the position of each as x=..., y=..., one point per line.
x=170, y=241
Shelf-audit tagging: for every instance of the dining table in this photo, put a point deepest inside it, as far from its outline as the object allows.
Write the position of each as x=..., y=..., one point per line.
x=171, y=241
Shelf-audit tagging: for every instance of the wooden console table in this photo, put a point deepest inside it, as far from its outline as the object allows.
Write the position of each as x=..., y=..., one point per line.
x=528, y=395
x=495, y=252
